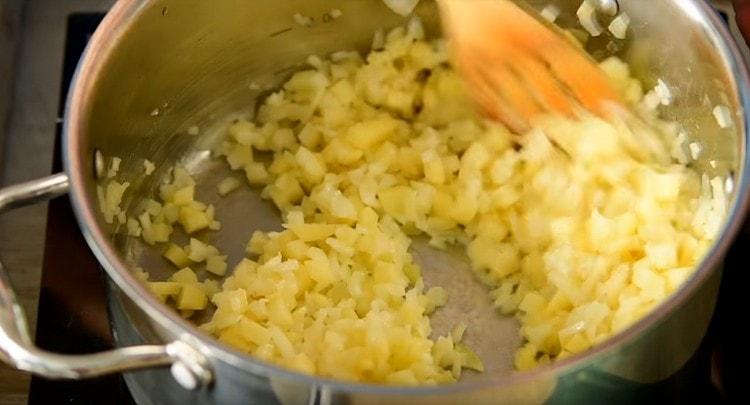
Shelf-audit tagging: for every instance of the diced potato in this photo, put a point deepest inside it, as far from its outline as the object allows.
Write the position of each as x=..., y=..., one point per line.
x=256, y=173
x=239, y=156
x=500, y=259
x=257, y=243
x=227, y=185
x=210, y=287
x=311, y=164
x=434, y=171
x=200, y=252
x=437, y=297
x=662, y=255
x=399, y=202
x=134, y=227
x=193, y=220
x=254, y=332
x=320, y=272
x=368, y=134
x=339, y=152
x=184, y=196
x=177, y=256
x=244, y=133
x=309, y=136
x=171, y=213
x=312, y=232
x=464, y=209
x=286, y=191
x=217, y=265
x=403, y=377
x=525, y=357
x=165, y=288
x=652, y=283
x=191, y=298
x=148, y=167
x=184, y=276
x=470, y=359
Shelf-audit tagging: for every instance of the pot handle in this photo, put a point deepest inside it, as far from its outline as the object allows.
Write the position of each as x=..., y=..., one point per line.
x=189, y=367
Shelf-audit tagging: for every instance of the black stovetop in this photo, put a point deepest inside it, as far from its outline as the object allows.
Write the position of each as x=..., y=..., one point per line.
x=72, y=316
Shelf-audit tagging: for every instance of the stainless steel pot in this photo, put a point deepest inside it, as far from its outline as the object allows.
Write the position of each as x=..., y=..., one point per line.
x=155, y=68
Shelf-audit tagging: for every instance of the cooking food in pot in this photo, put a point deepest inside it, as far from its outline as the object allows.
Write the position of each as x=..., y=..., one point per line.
x=577, y=227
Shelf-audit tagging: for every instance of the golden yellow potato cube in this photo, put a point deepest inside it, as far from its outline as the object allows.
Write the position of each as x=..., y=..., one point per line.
x=210, y=287
x=256, y=173
x=296, y=249
x=464, y=209
x=312, y=232
x=233, y=337
x=164, y=288
x=239, y=156
x=244, y=133
x=470, y=359
x=399, y=202
x=339, y=152
x=193, y=220
x=160, y=232
x=577, y=343
x=434, y=171
x=309, y=136
x=184, y=196
x=409, y=163
x=254, y=332
x=402, y=377
x=217, y=265
x=184, y=276
x=525, y=357
x=257, y=242
x=177, y=256
x=312, y=164
x=227, y=185
x=171, y=213
x=191, y=298
x=320, y=272
x=286, y=190
x=198, y=251
x=367, y=134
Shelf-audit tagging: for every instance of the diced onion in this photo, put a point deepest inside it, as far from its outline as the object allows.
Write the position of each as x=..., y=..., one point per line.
x=402, y=7
x=619, y=26
x=587, y=17
x=723, y=116
x=550, y=12
x=695, y=150
x=148, y=167
x=302, y=20
x=665, y=95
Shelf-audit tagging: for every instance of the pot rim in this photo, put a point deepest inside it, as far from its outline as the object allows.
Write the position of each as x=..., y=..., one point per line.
x=118, y=20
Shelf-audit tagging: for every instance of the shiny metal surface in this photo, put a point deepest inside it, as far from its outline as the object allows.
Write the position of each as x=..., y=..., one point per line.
x=155, y=68
x=33, y=191
x=17, y=349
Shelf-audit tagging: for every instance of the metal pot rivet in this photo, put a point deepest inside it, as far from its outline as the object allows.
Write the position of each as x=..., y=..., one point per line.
x=99, y=167
x=608, y=7
x=184, y=376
